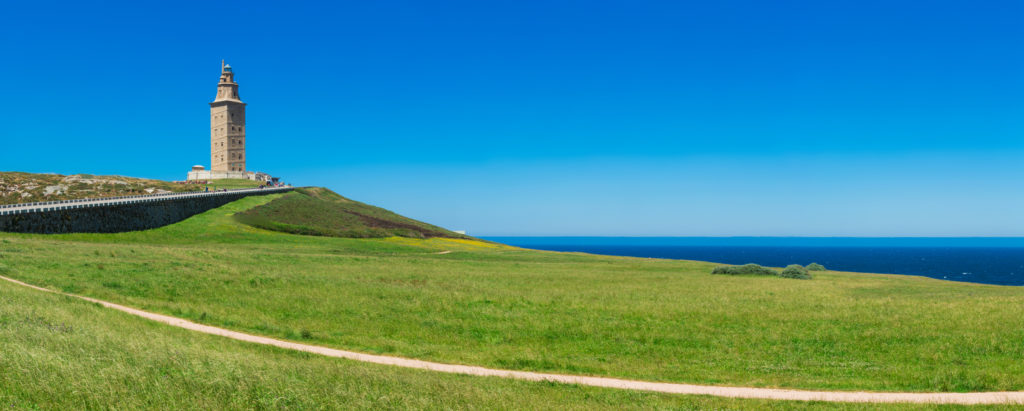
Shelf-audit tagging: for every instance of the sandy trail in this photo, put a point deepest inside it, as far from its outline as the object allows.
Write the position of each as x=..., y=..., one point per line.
x=1015, y=397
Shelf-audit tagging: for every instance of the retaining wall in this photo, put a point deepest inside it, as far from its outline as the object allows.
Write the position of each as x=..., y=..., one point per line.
x=118, y=214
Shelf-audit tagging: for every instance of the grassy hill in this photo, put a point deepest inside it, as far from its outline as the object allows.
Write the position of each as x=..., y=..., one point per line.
x=18, y=187
x=319, y=211
x=503, y=307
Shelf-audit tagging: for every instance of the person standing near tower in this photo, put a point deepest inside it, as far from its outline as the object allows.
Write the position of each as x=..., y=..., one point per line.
x=227, y=125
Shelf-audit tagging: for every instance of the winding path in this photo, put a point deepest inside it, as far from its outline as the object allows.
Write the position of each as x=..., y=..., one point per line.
x=1015, y=397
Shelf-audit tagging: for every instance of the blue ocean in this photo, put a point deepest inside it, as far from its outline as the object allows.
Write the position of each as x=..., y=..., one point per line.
x=998, y=260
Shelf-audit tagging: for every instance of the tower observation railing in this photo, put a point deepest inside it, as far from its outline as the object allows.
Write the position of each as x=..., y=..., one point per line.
x=46, y=206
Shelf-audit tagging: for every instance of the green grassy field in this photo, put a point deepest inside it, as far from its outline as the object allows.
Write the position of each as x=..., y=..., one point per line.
x=503, y=307
x=319, y=211
x=62, y=353
x=232, y=183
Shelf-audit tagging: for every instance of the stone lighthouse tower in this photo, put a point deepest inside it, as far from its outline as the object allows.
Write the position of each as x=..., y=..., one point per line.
x=227, y=125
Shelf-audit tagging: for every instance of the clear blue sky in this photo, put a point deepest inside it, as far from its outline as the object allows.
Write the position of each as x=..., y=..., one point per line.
x=818, y=118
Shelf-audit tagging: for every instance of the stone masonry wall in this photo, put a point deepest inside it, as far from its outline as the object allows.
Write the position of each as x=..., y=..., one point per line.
x=114, y=218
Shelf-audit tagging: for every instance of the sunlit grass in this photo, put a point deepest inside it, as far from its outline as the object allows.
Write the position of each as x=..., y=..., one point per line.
x=63, y=353
x=322, y=212
x=505, y=307
x=232, y=183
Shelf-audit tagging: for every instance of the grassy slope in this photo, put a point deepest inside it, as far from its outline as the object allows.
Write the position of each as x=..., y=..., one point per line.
x=504, y=307
x=232, y=183
x=16, y=187
x=63, y=353
x=319, y=211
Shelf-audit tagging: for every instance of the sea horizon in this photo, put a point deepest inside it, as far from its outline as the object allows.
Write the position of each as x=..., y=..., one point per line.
x=986, y=260
x=750, y=240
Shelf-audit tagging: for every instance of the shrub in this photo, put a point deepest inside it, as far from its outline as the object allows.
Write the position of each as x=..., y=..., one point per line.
x=746, y=269
x=724, y=269
x=815, y=267
x=795, y=271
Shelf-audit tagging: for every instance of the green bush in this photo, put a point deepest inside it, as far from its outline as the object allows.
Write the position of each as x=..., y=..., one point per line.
x=795, y=271
x=815, y=267
x=746, y=269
